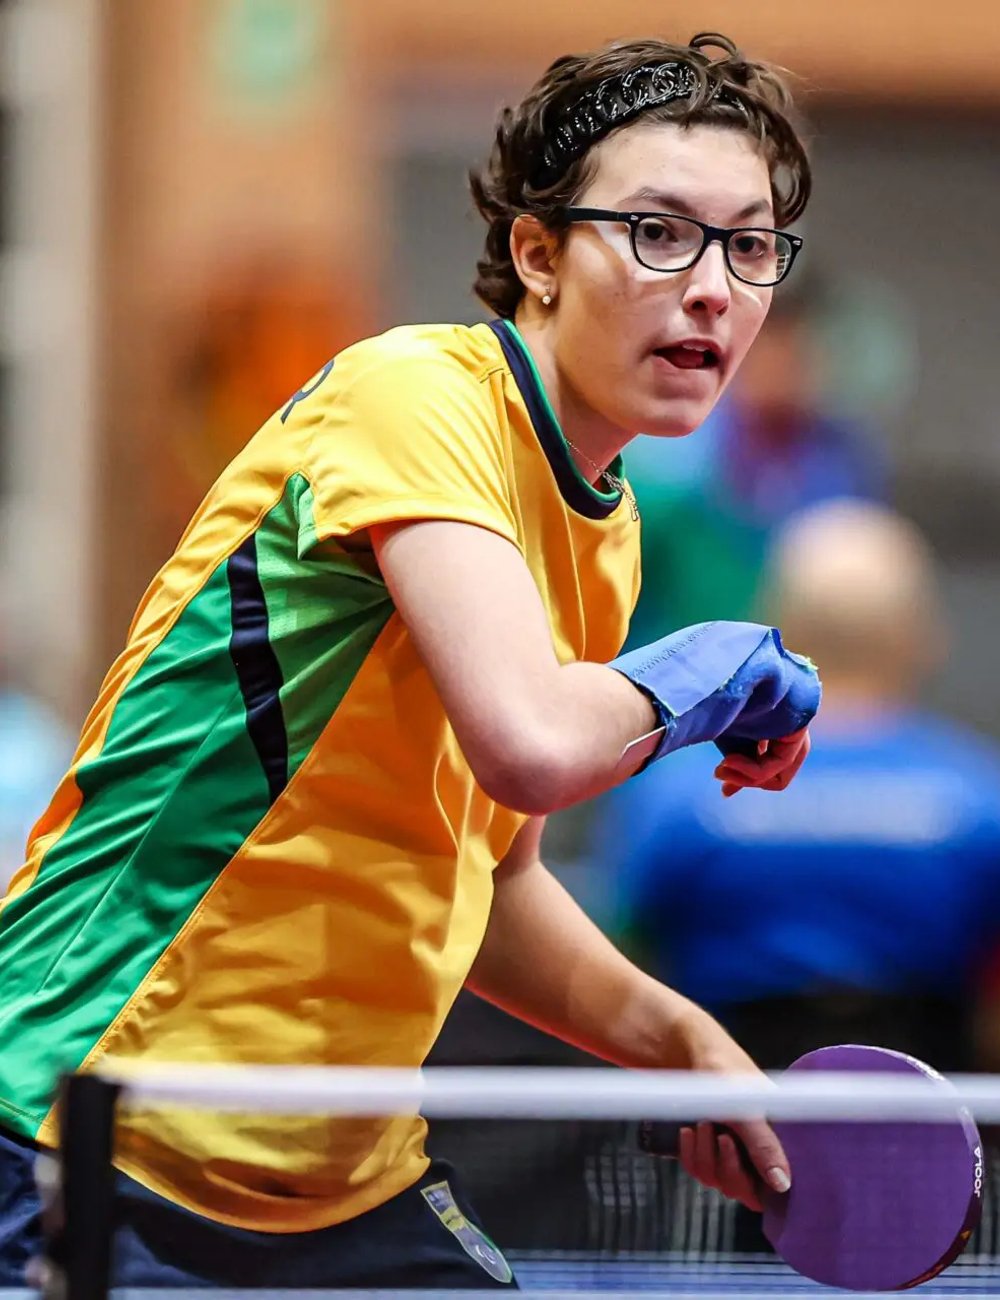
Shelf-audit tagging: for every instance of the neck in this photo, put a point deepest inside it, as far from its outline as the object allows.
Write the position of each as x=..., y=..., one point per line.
x=594, y=441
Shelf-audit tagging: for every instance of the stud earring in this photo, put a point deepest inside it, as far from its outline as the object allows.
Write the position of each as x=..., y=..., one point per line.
x=546, y=300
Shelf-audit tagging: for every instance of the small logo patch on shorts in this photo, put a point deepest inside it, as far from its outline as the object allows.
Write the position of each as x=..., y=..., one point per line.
x=474, y=1241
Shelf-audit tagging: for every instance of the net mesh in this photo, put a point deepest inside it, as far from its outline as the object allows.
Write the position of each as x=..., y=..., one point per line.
x=579, y=1206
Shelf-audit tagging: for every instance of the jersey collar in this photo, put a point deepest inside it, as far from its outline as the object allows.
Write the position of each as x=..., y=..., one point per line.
x=576, y=491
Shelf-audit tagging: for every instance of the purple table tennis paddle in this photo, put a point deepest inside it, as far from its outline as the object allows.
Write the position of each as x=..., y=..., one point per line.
x=874, y=1206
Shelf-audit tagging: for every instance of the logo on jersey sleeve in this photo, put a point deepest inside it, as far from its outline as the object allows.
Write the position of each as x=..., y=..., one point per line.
x=474, y=1241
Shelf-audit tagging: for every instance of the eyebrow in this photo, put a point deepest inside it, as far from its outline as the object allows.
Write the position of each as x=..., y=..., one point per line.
x=674, y=203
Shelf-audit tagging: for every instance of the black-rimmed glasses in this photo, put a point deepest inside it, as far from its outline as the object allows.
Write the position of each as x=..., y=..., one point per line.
x=662, y=241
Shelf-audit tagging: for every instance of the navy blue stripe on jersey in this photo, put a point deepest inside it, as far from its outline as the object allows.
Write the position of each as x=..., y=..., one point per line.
x=257, y=667
x=575, y=492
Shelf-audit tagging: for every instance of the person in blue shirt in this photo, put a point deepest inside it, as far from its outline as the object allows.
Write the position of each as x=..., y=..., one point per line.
x=862, y=904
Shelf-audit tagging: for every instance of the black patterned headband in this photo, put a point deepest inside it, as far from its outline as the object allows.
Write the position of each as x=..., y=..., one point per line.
x=610, y=103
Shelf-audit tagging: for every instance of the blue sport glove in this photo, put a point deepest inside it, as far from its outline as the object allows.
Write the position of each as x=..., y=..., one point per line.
x=734, y=683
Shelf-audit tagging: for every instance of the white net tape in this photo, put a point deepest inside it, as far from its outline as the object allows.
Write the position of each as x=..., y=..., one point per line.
x=539, y=1093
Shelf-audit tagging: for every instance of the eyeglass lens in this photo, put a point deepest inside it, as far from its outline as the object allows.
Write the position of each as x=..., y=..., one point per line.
x=672, y=244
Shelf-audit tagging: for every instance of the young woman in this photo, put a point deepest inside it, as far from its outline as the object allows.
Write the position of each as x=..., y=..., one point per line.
x=307, y=805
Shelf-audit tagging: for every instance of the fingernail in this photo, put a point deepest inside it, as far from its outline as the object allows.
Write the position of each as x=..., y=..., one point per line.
x=778, y=1179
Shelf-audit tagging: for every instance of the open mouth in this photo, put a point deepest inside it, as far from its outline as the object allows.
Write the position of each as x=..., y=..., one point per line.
x=688, y=356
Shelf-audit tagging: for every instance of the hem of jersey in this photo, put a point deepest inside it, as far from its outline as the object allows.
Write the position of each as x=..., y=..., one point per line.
x=400, y=509
x=576, y=491
x=31, y=1121
x=374, y=1194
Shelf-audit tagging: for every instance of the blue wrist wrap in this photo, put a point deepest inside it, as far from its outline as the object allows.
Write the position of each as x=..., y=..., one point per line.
x=734, y=683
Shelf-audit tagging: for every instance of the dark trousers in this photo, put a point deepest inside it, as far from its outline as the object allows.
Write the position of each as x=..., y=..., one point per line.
x=426, y=1236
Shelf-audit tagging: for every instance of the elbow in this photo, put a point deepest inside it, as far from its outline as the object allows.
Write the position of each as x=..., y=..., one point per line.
x=529, y=775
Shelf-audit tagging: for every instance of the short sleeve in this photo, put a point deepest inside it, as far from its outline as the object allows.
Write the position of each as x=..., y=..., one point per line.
x=404, y=438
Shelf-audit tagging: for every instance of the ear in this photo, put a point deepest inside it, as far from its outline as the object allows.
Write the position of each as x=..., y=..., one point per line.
x=535, y=253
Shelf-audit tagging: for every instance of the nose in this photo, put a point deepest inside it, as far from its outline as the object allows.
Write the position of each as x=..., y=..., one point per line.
x=708, y=288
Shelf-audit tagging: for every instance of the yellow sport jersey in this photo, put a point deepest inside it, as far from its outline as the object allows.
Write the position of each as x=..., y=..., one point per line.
x=269, y=847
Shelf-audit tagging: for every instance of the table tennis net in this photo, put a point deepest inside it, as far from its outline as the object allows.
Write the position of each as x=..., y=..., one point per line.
x=559, y=1179
x=579, y=1204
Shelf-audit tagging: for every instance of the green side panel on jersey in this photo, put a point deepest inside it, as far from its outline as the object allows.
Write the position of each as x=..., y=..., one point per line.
x=304, y=586
x=175, y=791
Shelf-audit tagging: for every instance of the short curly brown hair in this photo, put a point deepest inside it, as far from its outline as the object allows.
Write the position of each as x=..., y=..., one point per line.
x=729, y=91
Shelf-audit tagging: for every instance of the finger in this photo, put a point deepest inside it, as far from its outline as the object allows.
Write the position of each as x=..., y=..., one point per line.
x=780, y=753
x=737, y=771
x=752, y=771
x=766, y=1153
x=751, y=752
x=791, y=746
x=707, y=1153
x=688, y=1153
x=750, y=775
x=758, y=772
x=731, y=787
x=736, y=1180
x=785, y=778
x=685, y=1148
x=703, y=1160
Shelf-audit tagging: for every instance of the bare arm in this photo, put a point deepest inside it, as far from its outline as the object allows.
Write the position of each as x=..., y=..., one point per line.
x=537, y=734
x=544, y=961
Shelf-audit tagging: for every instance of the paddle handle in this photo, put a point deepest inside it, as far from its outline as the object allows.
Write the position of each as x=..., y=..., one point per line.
x=663, y=1138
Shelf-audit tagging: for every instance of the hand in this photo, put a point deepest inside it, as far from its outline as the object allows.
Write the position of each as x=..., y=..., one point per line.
x=771, y=768
x=734, y=683
x=713, y=1157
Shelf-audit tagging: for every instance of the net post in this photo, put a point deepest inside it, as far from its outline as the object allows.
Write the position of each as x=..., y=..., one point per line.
x=80, y=1246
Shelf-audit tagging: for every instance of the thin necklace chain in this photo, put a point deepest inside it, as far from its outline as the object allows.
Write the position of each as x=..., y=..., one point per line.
x=618, y=484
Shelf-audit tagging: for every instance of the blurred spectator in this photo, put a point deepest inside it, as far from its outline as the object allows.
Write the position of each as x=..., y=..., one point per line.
x=710, y=503
x=858, y=905
x=35, y=751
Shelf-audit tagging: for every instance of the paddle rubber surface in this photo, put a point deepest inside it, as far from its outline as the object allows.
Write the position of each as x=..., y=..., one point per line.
x=876, y=1206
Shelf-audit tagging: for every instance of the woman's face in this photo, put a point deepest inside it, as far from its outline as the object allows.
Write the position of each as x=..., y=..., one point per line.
x=618, y=328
